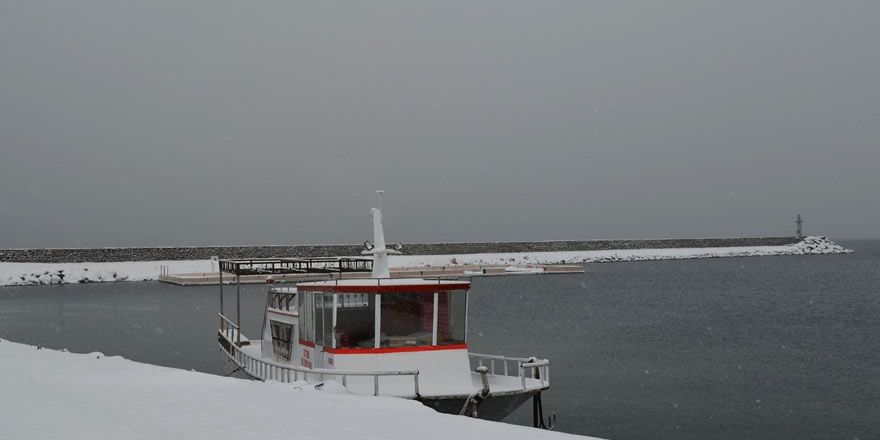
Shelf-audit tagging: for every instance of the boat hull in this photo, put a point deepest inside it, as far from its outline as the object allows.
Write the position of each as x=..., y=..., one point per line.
x=494, y=407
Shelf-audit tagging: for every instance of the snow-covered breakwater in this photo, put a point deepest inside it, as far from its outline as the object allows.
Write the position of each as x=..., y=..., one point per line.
x=124, y=254
x=35, y=274
x=12, y=274
x=50, y=394
x=807, y=246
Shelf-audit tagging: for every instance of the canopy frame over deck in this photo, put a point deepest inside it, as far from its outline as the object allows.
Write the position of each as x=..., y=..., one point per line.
x=280, y=266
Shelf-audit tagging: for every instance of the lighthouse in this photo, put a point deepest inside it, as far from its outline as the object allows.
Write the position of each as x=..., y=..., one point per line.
x=799, y=222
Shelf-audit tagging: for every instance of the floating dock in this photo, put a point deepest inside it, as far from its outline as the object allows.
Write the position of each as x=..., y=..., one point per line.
x=453, y=271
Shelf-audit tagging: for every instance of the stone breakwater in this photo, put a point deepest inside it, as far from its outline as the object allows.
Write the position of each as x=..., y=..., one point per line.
x=807, y=246
x=40, y=273
x=120, y=254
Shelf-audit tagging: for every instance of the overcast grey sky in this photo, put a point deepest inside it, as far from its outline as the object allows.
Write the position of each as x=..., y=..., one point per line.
x=225, y=122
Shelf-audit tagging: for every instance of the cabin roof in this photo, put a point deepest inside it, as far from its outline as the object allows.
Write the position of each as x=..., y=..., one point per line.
x=384, y=285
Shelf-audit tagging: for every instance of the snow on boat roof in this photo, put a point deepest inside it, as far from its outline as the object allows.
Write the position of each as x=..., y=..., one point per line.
x=384, y=285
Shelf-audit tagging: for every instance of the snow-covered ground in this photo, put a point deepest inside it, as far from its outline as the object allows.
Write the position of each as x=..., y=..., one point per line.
x=25, y=274
x=51, y=394
x=12, y=274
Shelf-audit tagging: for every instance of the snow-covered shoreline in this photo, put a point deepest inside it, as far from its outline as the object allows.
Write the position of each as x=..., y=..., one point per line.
x=50, y=394
x=29, y=274
x=17, y=274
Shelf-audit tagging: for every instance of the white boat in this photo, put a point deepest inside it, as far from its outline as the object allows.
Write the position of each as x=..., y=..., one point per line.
x=382, y=336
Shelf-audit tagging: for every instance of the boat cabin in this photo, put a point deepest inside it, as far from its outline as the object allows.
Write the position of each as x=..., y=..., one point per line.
x=406, y=324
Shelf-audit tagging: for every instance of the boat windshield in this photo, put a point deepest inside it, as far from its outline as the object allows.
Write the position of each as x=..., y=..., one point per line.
x=408, y=319
x=405, y=319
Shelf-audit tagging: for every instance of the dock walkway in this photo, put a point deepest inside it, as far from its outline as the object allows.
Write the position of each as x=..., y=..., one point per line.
x=456, y=271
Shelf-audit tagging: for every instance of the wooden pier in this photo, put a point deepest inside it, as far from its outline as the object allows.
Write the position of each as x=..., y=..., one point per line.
x=456, y=271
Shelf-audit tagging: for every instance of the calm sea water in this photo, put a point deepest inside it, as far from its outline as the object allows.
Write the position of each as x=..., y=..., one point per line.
x=769, y=348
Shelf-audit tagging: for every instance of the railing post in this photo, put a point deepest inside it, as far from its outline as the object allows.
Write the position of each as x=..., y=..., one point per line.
x=221, y=287
x=375, y=384
x=238, y=306
x=416, y=379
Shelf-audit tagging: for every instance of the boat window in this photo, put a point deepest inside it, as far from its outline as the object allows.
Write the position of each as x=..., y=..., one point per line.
x=355, y=313
x=353, y=301
x=323, y=318
x=327, y=328
x=451, y=317
x=281, y=300
x=306, y=317
x=281, y=335
x=407, y=319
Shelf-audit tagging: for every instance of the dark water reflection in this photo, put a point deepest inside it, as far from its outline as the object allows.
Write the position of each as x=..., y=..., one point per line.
x=774, y=347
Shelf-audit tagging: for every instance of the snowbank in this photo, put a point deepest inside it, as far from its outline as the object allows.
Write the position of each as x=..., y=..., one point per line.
x=27, y=274
x=14, y=274
x=51, y=394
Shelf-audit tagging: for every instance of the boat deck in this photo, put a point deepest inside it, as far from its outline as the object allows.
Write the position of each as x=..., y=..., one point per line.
x=402, y=386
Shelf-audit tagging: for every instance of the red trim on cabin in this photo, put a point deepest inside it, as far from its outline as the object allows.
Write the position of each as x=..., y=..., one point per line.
x=394, y=288
x=306, y=343
x=382, y=350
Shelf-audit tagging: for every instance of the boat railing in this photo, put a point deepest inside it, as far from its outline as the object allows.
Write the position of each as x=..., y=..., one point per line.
x=524, y=368
x=229, y=329
x=269, y=370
